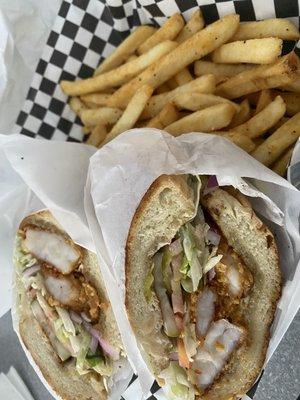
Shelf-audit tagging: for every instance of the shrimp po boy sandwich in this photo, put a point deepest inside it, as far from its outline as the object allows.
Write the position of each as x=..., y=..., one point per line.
x=202, y=284
x=64, y=317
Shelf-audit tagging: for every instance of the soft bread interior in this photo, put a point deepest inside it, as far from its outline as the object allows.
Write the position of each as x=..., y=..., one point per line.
x=63, y=378
x=252, y=240
x=167, y=205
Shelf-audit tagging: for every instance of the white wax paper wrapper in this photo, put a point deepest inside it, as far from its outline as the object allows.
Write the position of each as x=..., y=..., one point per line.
x=24, y=29
x=36, y=174
x=121, y=172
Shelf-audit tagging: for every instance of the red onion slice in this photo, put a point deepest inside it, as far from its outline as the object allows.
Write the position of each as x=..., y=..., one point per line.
x=211, y=274
x=175, y=247
x=85, y=317
x=212, y=184
x=75, y=317
x=93, y=344
x=108, y=349
x=213, y=237
x=174, y=356
x=28, y=272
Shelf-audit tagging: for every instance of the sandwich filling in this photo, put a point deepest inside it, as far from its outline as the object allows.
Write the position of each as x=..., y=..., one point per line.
x=201, y=284
x=65, y=304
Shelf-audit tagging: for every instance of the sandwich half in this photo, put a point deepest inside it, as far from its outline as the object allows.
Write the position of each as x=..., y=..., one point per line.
x=202, y=284
x=64, y=317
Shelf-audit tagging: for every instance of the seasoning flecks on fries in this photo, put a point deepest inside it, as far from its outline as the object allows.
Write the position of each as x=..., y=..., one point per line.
x=244, y=89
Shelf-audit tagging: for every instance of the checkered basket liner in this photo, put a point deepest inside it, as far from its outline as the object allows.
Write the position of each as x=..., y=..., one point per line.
x=86, y=32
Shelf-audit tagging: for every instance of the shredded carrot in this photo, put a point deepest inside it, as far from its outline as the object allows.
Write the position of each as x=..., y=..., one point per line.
x=182, y=356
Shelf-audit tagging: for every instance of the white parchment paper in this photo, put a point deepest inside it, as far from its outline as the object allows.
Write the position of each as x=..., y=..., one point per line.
x=37, y=174
x=121, y=172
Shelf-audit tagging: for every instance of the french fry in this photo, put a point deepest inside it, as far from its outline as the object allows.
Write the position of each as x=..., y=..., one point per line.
x=119, y=75
x=195, y=101
x=207, y=120
x=220, y=70
x=132, y=112
x=77, y=105
x=204, y=84
x=183, y=77
x=166, y=116
x=195, y=24
x=292, y=101
x=259, y=78
x=86, y=129
x=258, y=141
x=97, y=135
x=276, y=144
x=293, y=86
x=242, y=115
x=281, y=164
x=162, y=88
x=264, y=99
x=125, y=49
x=244, y=142
x=96, y=98
x=197, y=46
x=103, y=115
x=131, y=58
x=171, y=83
x=274, y=128
x=264, y=120
x=274, y=27
x=253, y=51
x=168, y=31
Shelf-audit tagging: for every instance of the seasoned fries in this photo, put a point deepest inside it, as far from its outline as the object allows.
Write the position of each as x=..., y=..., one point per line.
x=279, y=141
x=274, y=27
x=281, y=164
x=183, y=77
x=104, y=115
x=97, y=135
x=195, y=47
x=227, y=79
x=259, y=78
x=197, y=101
x=208, y=120
x=242, y=115
x=166, y=116
x=253, y=51
x=195, y=24
x=292, y=101
x=119, y=75
x=77, y=106
x=126, y=49
x=221, y=71
x=204, y=84
x=264, y=99
x=264, y=120
x=96, y=98
x=132, y=112
x=168, y=31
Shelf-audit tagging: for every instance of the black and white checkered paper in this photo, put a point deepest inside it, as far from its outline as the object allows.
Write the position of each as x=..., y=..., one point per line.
x=86, y=32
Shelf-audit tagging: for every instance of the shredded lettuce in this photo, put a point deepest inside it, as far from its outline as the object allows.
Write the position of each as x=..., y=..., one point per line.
x=170, y=326
x=84, y=348
x=100, y=365
x=148, y=282
x=193, y=270
x=166, y=269
x=22, y=259
x=65, y=317
x=177, y=386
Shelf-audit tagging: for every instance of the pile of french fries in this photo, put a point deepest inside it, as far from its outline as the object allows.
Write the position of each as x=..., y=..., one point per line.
x=227, y=78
